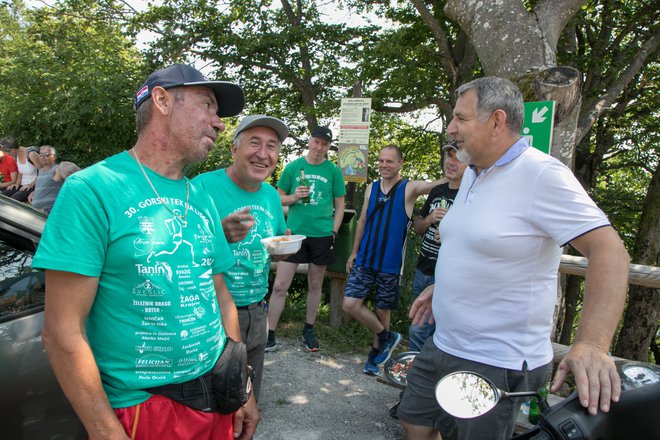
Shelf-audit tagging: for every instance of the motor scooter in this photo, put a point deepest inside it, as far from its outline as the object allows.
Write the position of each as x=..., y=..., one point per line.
x=636, y=416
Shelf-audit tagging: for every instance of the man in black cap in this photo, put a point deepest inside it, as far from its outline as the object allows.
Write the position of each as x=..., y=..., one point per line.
x=313, y=189
x=133, y=255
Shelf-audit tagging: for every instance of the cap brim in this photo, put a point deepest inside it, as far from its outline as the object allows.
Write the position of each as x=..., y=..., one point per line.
x=325, y=138
x=267, y=121
x=230, y=96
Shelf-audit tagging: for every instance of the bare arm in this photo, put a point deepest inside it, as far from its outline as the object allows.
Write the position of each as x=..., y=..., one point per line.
x=421, y=224
x=35, y=159
x=421, y=187
x=11, y=182
x=606, y=284
x=359, y=230
x=69, y=297
x=17, y=183
x=416, y=188
x=339, y=213
x=227, y=308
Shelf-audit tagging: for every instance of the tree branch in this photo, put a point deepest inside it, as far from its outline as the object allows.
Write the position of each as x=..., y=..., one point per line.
x=554, y=15
x=592, y=113
x=439, y=36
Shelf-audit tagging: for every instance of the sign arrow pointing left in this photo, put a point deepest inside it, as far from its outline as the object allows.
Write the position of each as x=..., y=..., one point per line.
x=537, y=115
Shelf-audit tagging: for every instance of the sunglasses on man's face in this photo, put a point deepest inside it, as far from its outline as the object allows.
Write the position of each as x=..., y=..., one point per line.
x=45, y=154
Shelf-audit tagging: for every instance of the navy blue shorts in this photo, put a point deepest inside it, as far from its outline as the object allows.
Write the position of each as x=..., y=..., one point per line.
x=316, y=250
x=361, y=280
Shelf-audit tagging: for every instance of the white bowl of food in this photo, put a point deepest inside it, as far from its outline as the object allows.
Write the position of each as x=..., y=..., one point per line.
x=283, y=244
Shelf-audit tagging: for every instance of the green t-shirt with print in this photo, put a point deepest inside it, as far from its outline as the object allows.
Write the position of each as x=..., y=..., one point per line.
x=155, y=318
x=247, y=279
x=325, y=182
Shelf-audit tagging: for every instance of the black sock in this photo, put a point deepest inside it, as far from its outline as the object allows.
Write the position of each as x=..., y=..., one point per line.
x=271, y=334
x=383, y=336
x=309, y=326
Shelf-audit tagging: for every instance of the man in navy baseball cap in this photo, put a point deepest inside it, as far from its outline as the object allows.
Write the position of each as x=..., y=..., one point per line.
x=230, y=96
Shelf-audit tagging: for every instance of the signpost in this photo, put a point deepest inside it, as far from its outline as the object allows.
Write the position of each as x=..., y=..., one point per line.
x=353, y=144
x=539, y=123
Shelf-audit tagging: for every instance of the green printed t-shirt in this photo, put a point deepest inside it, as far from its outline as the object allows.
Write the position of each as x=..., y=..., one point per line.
x=155, y=318
x=247, y=279
x=325, y=181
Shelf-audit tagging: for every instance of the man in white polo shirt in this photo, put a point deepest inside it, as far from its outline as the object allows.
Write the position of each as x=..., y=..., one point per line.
x=496, y=276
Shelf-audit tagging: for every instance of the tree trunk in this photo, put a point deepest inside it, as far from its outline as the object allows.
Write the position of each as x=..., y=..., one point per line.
x=571, y=299
x=643, y=312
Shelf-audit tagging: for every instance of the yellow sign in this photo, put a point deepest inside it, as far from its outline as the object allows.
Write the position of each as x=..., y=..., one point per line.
x=352, y=160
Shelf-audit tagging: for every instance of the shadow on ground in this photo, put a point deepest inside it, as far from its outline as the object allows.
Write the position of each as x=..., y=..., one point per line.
x=314, y=396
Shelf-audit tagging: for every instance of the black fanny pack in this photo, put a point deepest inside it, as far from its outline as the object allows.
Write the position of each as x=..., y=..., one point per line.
x=224, y=389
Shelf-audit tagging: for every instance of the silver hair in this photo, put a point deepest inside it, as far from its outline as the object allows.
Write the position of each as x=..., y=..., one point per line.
x=145, y=111
x=67, y=168
x=494, y=93
x=143, y=115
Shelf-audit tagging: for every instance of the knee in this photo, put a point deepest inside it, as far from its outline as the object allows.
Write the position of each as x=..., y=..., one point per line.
x=416, y=432
x=279, y=289
x=315, y=285
x=348, y=305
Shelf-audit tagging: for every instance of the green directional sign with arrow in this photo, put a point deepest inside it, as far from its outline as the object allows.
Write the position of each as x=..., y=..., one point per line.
x=538, y=125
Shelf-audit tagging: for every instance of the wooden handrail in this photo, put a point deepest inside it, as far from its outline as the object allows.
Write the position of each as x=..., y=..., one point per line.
x=647, y=276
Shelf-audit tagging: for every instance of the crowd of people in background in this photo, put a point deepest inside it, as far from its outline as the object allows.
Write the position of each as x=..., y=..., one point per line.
x=175, y=268
x=32, y=174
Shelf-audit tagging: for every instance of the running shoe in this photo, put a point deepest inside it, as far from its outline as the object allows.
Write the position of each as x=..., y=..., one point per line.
x=387, y=349
x=271, y=344
x=370, y=367
x=308, y=337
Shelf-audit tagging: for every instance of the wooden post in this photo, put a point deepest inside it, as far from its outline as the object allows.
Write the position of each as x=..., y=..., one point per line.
x=337, y=285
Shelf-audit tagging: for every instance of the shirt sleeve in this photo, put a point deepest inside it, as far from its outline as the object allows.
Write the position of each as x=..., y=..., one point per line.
x=285, y=182
x=561, y=207
x=338, y=186
x=427, y=204
x=278, y=213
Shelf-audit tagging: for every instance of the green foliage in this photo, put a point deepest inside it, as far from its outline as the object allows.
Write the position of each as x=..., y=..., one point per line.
x=622, y=150
x=292, y=64
x=67, y=78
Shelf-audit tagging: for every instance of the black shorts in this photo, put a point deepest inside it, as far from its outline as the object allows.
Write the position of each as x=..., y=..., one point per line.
x=316, y=250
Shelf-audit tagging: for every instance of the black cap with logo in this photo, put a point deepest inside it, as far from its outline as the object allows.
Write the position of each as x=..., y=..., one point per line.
x=230, y=96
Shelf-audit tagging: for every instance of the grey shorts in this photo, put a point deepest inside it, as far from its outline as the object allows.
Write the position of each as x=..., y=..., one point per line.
x=253, y=322
x=419, y=407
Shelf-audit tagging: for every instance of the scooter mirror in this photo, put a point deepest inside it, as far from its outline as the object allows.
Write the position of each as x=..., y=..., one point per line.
x=466, y=395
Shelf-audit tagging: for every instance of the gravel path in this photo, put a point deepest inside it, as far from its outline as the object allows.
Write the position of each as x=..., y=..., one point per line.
x=314, y=396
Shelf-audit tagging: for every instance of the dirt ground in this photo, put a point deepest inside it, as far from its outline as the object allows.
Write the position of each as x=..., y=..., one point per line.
x=316, y=396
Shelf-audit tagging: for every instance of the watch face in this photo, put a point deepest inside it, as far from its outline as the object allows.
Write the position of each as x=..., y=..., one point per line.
x=641, y=374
